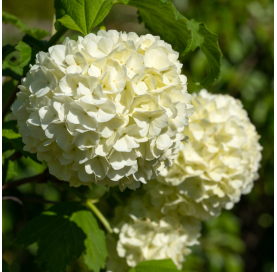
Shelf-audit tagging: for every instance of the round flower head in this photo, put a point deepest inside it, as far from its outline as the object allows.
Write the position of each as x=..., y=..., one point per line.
x=147, y=234
x=108, y=108
x=219, y=163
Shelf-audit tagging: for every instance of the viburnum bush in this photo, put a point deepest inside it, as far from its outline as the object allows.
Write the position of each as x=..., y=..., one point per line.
x=112, y=110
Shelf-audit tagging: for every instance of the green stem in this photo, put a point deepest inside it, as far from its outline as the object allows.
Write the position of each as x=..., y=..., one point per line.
x=55, y=38
x=99, y=215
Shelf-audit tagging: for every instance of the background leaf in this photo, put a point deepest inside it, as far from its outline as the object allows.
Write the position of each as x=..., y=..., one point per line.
x=162, y=18
x=82, y=15
x=155, y=266
x=34, y=32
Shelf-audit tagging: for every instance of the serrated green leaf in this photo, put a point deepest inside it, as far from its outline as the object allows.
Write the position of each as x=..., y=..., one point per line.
x=96, y=250
x=25, y=53
x=34, y=32
x=82, y=15
x=155, y=266
x=162, y=18
x=63, y=233
x=5, y=267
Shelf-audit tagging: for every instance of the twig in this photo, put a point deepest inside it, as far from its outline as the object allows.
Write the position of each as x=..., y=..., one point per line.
x=28, y=199
x=13, y=198
x=43, y=176
x=38, y=200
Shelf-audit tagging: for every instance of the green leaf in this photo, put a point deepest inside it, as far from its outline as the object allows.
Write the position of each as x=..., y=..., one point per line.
x=155, y=266
x=34, y=32
x=25, y=53
x=6, y=50
x=5, y=267
x=96, y=250
x=162, y=18
x=63, y=233
x=82, y=15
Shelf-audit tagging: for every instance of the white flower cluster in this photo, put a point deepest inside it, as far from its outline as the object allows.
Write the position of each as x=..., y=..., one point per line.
x=219, y=163
x=147, y=234
x=108, y=108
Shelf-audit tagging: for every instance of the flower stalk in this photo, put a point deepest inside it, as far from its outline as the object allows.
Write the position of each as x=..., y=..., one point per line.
x=100, y=216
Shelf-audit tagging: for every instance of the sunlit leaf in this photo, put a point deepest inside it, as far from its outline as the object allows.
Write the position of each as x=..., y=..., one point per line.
x=82, y=15
x=162, y=18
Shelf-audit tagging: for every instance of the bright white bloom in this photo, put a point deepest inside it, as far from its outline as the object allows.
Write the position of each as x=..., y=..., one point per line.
x=108, y=108
x=219, y=163
x=147, y=234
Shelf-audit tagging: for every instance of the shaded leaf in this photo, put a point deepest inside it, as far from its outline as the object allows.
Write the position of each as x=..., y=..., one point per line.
x=162, y=18
x=63, y=233
x=34, y=32
x=155, y=266
x=82, y=15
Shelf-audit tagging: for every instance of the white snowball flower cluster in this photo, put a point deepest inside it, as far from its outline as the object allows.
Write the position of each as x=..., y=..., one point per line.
x=219, y=163
x=147, y=234
x=108, y=108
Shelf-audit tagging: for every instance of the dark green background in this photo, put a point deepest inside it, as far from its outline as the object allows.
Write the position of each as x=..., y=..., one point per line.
x=240, y=240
